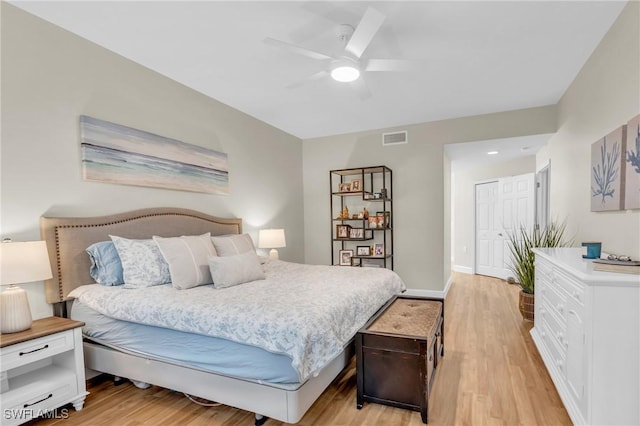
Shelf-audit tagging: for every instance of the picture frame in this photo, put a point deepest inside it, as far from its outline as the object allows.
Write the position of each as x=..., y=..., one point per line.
x=631, y=157
x=363, y=250
x=385, y=222
x=607, y=171
x=345, y=257
x=344, y=187
x=373, y=222
x=356, y=233
x=356, y=185
x=378, y=250
x=343, y=231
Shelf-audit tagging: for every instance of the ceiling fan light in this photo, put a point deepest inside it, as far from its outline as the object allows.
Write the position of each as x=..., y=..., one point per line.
x=345, y=74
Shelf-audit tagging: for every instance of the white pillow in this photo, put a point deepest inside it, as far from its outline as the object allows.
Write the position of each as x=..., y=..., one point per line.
x=228, y=271
x=188, y=259
x=142, y=262
x=228, y=245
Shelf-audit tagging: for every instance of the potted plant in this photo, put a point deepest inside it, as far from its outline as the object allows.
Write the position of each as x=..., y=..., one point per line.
x=521, y=244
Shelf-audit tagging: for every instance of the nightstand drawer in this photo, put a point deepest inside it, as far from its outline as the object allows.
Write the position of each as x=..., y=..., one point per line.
x=32, y=397
x=37, y=349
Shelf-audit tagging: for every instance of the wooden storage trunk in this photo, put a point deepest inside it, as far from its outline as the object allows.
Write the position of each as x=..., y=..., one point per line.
x=398, y=352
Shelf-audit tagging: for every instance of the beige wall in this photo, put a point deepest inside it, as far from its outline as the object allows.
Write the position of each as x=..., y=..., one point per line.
x=604, y=95
x=463, y=199
x=50, y=77
x=421, y=193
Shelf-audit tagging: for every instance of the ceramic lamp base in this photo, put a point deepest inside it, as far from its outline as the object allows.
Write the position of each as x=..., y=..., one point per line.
x=14, y=310
x=273, y=254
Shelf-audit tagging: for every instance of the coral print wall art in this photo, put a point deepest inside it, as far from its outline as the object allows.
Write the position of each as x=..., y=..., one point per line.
x=607, y=171
x=632, y=165
x=118, y=154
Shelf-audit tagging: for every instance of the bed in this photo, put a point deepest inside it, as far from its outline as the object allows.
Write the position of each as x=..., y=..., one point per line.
x=286, y=376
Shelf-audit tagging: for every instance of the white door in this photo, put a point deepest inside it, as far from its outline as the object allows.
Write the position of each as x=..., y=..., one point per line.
x=501, y=208
x=487, y=230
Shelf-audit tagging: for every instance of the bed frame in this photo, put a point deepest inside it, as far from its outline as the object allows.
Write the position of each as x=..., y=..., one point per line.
x=68, y=237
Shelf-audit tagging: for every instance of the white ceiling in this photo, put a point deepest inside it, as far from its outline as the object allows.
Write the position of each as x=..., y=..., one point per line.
x=473, y=57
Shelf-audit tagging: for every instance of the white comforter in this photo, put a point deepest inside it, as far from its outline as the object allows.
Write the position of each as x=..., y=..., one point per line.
x=308, y=312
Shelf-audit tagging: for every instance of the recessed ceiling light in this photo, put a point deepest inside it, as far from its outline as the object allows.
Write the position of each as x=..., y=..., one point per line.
x=492, y=152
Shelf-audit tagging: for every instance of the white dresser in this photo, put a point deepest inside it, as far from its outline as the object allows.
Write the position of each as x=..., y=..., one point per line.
x=587, y=330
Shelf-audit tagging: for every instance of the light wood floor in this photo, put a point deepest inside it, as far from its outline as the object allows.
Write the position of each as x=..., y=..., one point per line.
x=491, y=374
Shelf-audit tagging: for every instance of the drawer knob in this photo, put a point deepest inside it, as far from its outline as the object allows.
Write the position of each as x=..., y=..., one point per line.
x=35, y=350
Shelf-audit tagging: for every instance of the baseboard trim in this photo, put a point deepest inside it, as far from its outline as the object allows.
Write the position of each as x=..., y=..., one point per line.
x=463, y=269
x=440, y=294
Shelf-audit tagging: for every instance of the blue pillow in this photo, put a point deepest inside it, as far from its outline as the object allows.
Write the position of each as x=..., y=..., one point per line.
x=106, y=268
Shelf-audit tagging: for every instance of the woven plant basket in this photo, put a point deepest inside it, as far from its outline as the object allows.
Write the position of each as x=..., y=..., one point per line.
x=526, y=305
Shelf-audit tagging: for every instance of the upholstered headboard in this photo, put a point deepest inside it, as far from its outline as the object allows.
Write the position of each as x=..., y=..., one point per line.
x=68, y=237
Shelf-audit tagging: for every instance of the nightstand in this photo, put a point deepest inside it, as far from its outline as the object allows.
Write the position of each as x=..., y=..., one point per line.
x=42, y=369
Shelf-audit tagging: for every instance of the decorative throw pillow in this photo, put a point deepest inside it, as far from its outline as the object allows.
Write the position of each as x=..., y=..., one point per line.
x=142, y=262
x=228, y=271
x=229, y=245
x=188, y=259
x=106, y=268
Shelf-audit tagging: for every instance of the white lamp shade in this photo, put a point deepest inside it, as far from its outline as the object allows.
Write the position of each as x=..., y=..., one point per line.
x=271, y=238
x=24, y=262
x=20, y=262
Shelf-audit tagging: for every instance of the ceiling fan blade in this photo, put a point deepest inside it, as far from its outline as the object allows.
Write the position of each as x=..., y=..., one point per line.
x=296, y=49
x=367, y=28
x=388, y=65
x=361, y=88
x=313, y=77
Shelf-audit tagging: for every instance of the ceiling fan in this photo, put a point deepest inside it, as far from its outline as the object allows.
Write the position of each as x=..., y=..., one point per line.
x=349, y=66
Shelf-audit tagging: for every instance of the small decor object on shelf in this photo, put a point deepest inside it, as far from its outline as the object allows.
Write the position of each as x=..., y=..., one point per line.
x=345, y=257
x=363, y=250
x=378, y=250
x=385, y=222
x=356, y=233
x=356, y=185
x=373, y=222
x=20, y=262
x=342, y=231
x=344, y=187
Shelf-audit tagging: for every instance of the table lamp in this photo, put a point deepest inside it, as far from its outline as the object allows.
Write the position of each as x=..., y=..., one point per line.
x=20, y=262
x=273, y=239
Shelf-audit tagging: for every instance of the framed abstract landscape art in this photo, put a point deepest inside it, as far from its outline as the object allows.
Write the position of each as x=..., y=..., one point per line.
x=118, y=154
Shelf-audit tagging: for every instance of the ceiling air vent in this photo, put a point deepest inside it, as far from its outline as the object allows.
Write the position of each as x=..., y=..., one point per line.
x=394, y=138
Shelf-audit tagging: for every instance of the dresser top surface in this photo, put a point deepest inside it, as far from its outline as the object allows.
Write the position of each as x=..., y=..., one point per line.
x=570, y=259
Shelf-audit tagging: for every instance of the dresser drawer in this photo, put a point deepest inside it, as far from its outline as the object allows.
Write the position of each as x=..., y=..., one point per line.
x=557, y=328
x=555, y=299
x=570, y=286
x=557, y=354
x=33, y=350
